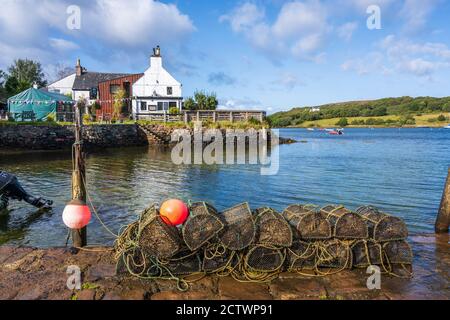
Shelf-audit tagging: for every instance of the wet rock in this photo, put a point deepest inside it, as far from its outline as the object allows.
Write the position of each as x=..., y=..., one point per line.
x=230, y=289
x=295, y=289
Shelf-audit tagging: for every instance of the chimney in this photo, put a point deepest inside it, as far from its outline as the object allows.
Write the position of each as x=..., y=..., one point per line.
x=78, y=68
x=156, y=59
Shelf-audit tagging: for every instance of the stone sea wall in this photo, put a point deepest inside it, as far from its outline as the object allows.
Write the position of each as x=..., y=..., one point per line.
x=53, y=137
x=61, y=137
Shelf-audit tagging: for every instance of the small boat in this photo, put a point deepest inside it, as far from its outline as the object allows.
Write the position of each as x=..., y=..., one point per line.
x=337, y=132
x=329, y=130
x=447, y=127
x=310, y=129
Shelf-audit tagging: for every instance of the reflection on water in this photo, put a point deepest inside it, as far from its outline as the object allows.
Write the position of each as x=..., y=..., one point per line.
x=401, y=171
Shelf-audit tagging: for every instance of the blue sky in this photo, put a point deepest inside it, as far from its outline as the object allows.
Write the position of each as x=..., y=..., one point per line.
x=260, y=54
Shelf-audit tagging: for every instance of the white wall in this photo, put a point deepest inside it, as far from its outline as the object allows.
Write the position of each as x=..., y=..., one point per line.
x=63, y=86
x=156, y=80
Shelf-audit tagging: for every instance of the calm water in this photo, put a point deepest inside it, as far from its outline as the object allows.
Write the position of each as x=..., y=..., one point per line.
x=401, y=171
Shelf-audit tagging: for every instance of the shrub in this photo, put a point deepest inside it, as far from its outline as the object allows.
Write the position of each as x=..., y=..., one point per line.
x=173, y=110
x=254, y=121
x=343, y=122
x=441, y=118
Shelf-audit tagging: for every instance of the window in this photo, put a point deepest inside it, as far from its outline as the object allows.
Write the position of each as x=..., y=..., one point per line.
x=93, y=92
x=113, y=88
x=143, y=106
x=160, y=106
x=152, y=108
x=169, y=91
x=172, y=104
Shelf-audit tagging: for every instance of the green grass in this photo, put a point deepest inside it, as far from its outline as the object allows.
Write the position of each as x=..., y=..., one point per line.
x=429, y=120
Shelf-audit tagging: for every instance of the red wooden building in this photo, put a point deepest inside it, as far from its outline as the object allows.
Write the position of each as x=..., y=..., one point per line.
x=107, y=90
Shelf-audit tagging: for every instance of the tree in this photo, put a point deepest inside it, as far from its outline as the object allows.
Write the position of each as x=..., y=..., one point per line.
x=189, y=104
x=202, y=101
x=3, y=93
x=120, y=104
x=62, y=71
x=343, y=122
x=27, y=72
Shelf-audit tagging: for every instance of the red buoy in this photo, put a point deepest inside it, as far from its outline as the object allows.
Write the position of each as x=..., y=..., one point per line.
x=174, y=212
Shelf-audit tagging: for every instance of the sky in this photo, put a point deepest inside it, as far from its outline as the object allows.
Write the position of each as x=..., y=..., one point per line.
x=257, y=54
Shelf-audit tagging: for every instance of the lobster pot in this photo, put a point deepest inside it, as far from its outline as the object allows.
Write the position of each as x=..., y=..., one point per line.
x=309, y=224
x=345, y=223
x=334, y=254
x=182, y=264
x=366, y=253
x=156, y=238
x=215, y=260
x=239, y=230
x=272, y=228
x=265, y=259
x=132, y=261
x=398, y=252
x=301, y=256
x=202, y=225
x=383, y=227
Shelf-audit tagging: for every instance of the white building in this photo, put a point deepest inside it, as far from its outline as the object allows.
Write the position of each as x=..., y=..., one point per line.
x=157, y=91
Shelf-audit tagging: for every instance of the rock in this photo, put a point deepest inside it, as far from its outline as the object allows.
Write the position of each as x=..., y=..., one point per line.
x=101, y=271
x=230, y=289
x=88, y=294
x=295, y=289
x=177, y=295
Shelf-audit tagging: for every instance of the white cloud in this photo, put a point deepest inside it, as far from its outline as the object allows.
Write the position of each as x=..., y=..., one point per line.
x=288, y=80
x=415, y=13
x=300, y=28
x=402, y=55
x=244, y=17
x=240, y=104
x=29, y=27
x=346, y=30
x=136, y=23
x=362, y=5
x=62, y=44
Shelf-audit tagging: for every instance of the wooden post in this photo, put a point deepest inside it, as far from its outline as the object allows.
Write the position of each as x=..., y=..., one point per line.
x=198, y=115
x=443, y=219
x=185, y=117
x=79, y=237
x=231, y=116
x=214, y=116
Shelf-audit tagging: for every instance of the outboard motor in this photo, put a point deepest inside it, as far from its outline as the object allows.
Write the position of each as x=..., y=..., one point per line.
x=10, y=188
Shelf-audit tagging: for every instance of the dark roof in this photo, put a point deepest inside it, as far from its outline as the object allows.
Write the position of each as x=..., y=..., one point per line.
x=90, y=80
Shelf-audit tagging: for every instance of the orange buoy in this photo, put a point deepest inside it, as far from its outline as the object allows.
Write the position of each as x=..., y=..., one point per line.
x=174, y=212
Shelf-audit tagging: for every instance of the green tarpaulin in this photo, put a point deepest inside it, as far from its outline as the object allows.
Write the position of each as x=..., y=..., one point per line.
x=36, y=104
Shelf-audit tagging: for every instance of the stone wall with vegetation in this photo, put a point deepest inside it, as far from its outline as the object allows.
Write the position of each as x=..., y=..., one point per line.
x=50, y=137
x=53, y=136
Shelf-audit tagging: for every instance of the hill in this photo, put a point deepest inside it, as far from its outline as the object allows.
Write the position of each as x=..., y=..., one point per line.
x=403, y=108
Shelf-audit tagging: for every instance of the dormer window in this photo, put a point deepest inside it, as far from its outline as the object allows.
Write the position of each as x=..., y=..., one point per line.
x=169, y=91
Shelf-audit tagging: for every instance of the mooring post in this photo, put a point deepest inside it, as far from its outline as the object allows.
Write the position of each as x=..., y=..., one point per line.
x=443, y=219
x=79, y=237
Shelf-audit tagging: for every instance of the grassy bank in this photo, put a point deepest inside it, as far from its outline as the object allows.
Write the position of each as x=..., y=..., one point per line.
x=427, y=120
x=252, y=124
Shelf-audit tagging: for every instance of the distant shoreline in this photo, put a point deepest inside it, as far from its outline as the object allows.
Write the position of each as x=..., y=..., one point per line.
x=368, y=127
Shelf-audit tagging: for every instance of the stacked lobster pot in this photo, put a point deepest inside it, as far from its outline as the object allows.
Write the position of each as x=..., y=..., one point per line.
x=387, y=245
x=258, y=245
